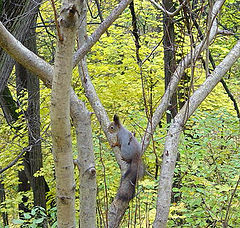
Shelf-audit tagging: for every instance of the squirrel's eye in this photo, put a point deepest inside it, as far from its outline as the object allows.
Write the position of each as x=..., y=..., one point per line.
x=112, y=127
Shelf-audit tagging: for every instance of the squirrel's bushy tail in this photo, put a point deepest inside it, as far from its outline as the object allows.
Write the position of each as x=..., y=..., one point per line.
x=135, y=172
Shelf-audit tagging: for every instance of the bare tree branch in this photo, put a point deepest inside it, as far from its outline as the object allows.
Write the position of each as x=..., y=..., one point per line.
x=190, y=57
x=100, y=13
x=172, y=139
x=25, y=57
x=170, y=14
x=91, y=40
x=37, y=65
x=56, y=21
x=11, y=164
x=224, y=84
x=225, y=222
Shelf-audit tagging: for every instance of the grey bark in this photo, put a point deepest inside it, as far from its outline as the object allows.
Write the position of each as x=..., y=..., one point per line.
x=86, y=163
x=172, y=140
x=100, y=30
x=86, y=159
x=60, y=115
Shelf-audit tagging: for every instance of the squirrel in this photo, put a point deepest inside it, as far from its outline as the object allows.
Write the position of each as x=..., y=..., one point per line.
x=130, y=153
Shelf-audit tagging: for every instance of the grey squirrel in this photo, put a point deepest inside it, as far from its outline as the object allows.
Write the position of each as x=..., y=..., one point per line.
x=130, y=153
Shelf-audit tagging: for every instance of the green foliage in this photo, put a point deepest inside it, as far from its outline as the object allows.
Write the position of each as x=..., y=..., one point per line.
x=209, y=169
x=209, y=150
x=34, y=219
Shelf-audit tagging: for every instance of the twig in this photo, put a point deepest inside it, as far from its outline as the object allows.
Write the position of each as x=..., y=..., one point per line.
x=137, y=45
x=44, y=25
x=170, y=14
x=56, y=21
x=100, y=14
x=147, y=57
x=231, y=97
x=16, y=159
x=225, y=223
x=90, y=11
x=135, y=32
x=225, y=32
x=214, y=66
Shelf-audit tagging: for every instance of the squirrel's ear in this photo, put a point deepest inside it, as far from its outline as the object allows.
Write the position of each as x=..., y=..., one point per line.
x=116, y=119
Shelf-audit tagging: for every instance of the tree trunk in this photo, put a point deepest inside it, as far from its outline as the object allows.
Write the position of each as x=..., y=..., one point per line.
x=60, y=115
x=8, y=106
x=34, y=139
x=33, y=157
x=82, y=123
x=3, y=198
x=19, y=25
x=169, y=55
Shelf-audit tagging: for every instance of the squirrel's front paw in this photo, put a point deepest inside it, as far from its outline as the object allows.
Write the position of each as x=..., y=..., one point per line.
x=115, y=144
x=127, y=160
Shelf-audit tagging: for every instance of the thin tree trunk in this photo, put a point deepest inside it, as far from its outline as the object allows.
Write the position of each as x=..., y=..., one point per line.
x=86, y=163
x=23, y=177
x=35, y=154
x=82, y=123
x=3, y=198
x=169, y=55
x=172, y=140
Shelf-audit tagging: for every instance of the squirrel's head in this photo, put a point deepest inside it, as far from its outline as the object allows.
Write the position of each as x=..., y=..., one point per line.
x=115, y=125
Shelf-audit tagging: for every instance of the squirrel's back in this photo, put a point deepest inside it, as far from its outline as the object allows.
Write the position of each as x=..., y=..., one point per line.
x=129, y=145
x=131, y=153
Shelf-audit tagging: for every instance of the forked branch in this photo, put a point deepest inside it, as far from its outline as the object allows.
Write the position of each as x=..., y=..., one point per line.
x=170, y=14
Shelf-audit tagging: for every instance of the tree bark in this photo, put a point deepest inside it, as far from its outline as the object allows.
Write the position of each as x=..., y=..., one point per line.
x=8, y=106
x=86, y=159
x=169, y=56
x=172, y=140
x=86, y=163
x=2, y=199
x=60, y=115
x=32, y=158
x=17, y=16
x=35, y=154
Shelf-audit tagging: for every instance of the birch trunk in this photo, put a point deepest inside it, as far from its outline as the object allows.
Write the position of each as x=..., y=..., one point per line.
x=60, y=117
x=86, y=159
x=86, y=163
x=172, y=140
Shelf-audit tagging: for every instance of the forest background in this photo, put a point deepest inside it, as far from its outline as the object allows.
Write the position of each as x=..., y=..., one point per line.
x=128, y=71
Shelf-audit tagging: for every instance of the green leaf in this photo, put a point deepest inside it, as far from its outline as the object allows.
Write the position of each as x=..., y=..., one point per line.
x=27, y=216
x=33, y=211
x=40, y=220
x=17, y=221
